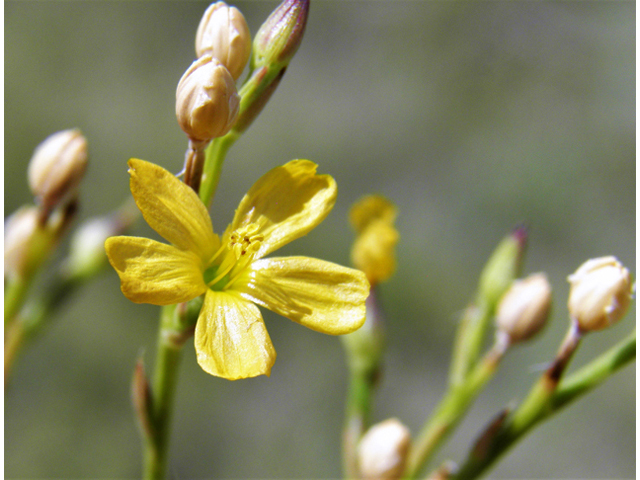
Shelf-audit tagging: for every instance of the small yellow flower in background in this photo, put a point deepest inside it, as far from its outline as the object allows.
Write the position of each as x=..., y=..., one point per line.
x=231, y=339
x=373, y=252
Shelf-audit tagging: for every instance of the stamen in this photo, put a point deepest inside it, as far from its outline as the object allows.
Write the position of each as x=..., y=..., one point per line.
x=221, y=275
x=242, y=244
x=217, y=254
x=232, y=279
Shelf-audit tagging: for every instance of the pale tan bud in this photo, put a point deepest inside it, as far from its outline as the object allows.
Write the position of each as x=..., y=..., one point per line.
x=383, y=450
x=19, y=229
x=224, y=34
x=57, y=166
x=524, y=309
x=206, y=100
x=87, y=245
x=601, y=291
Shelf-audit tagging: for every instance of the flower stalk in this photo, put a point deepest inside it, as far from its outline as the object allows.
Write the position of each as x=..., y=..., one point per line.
x=86, y=260
x=502, y=268
x=364, y=351
x=162, y=397
x=452, y=408
x=549, y=395
x=274, y=46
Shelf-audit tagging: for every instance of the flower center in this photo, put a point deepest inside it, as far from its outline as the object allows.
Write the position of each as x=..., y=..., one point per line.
x=233, y=256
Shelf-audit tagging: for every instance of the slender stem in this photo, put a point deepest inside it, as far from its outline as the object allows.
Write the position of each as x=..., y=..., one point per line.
x=451, y=410
x=359, y=400
x=15, y=339
x=194, y=165
x=594, y=373
x=164, y=387
x=468, y=342
x=14, y=297
x=547, y=397
x=364, y=350
x=33, y=318
x=216, y=152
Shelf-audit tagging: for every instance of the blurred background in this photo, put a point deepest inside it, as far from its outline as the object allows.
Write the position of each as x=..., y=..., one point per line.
x=472, y=117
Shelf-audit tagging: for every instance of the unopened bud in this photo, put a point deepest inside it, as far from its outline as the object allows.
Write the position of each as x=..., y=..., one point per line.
x=502, y=268
x=601, y=291
x=28, y=241
x=19, y=229
x=280, y=35
x=524, y=309
x=206, y=100
x=383, y=450
x=57, y=166
x=87, y=252
x=223, y=33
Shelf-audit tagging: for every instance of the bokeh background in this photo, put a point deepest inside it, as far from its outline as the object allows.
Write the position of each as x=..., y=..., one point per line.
x=472, y=117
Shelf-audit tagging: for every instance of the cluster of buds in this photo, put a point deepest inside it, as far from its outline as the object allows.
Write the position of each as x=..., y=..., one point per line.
x=207, y=99
x=54, y=173
x=600, y=295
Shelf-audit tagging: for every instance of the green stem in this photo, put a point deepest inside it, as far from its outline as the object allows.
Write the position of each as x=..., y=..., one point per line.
x=451, y=410
x=33, y=318
x=359, y=399
x=593, y=374
x=545, y=399
x=215, y=156
x=469, y=337
x=164, y=387
x=14, y=297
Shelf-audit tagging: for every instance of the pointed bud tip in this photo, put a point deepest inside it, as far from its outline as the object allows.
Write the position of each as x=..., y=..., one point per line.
x=521, y=235
x=281, y=34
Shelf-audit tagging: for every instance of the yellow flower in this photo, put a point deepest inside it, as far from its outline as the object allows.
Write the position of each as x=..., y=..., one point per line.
x=231, y=339
x=373, y=251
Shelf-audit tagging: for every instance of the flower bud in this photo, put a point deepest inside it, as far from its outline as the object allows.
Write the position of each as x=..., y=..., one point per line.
x=524, y=309
x=502, y=268
x=206, y=100
x=223, y=33
x=601, y=291
x=87, y=252
x=383, y=450
x=280, y=35
x=19, y=229
x=373, y=251
x=57, y=166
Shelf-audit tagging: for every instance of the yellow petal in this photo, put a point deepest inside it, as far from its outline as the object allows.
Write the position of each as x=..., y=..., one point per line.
x=152, y=272
x=320, y=295
x=231, y=339
x=172, y=208
x=373, y=251
x=371, y=208
x=286, y=203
